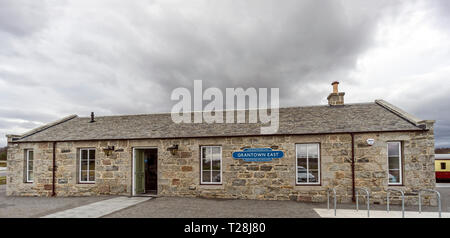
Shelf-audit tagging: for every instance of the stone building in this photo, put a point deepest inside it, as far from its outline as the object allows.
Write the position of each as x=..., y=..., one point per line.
x=344, y=146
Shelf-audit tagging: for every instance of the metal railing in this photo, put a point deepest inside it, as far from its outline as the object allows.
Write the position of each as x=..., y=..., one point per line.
x=389, y=190
x=438, y=197
x=368, y=199
x=328, y=199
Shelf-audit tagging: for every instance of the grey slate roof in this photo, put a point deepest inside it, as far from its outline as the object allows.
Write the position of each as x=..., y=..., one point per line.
x=363, y=117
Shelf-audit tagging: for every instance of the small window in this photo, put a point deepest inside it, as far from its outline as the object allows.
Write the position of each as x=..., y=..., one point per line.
x=87, y=166
x=29, y=166
x=394, y=163
x=211, y=165
x=308, y=164
x=443, y=166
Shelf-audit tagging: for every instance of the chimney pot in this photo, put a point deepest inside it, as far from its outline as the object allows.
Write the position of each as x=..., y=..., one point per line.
x=335, y=86
x=336, y=97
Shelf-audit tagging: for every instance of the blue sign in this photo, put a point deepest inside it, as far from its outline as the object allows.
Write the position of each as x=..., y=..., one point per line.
x=258, y=154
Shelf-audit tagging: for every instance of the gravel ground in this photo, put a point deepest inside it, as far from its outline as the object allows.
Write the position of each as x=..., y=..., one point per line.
x=39, y=206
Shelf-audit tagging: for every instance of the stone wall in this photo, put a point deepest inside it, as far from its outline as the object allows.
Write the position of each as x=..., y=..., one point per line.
x=179, y=175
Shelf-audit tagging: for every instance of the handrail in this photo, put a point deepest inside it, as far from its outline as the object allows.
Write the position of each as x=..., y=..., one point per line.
x=328, y=199
x=438, y=197
x=389, y=190
x=368, y=199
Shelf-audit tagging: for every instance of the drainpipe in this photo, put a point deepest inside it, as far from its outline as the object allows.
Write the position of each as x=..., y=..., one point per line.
x=353, y=167
x=54, y=169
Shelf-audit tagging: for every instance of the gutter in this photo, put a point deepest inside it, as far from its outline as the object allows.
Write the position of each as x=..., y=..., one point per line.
x=218, y=136
x=353, y=166
x=54, y=170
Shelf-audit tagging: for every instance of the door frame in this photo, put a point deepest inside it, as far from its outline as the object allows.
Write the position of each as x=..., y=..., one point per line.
x=133, y=167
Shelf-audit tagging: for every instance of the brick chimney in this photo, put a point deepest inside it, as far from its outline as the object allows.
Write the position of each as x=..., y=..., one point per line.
x=336, y=98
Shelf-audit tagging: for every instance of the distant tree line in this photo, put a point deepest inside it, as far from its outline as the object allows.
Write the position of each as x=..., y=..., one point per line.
x=3, y=153
x=442, y=151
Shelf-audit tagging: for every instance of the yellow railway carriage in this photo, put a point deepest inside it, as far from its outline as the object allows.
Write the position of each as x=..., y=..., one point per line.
x=442, y=167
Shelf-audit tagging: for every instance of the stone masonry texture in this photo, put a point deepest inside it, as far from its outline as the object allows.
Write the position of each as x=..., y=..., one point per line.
x=179, y=174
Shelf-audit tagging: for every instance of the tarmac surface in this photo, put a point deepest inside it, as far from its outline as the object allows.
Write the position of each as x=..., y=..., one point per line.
x=167, y=207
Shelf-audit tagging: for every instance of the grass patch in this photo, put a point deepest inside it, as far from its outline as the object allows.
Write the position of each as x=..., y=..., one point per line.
x=2, y=180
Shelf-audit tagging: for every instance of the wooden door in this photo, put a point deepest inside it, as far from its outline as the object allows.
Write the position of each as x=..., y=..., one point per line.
x=139, y=172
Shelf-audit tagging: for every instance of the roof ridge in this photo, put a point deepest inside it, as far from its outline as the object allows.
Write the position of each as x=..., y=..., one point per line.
x=46, y=126
x=224, y=110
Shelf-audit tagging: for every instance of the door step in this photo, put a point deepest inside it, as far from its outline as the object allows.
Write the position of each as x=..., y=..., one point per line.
x=146, y=195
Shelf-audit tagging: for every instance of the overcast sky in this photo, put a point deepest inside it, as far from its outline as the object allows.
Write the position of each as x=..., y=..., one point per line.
x=125, y=57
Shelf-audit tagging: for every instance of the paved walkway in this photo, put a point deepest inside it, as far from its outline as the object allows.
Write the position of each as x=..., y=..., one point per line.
x=99, y=209
x=442, y=185
x=349, y=213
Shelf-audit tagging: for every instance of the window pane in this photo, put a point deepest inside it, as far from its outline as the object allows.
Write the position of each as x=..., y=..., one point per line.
x=206, y=152
x=30, y=175
x=216, y=163
x=206, y=164
x=301, y=151
x=206, y=176
x=83, y=175
x=393, y=149
x=313, y=176
x=394, y=163
x=91, y=175
x=84, y=154
x=301, y=170
x=216, y=150
x=394, y=176
x=30, y=155
x=313, y=163
x=301, y=163
x=313, y=151
x=84, y=165
x=216, y=176
x=443, y=166
x=92, y=165
x=92, y=155
x=302, y=178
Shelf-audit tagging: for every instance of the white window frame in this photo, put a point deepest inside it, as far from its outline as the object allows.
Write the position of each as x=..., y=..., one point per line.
x=28, y=166
x=399, y=143
x=201, y=164
x=88, y=170
x=307, y=165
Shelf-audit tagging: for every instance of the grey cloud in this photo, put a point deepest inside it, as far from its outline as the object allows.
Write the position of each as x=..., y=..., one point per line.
x=23, y=124
x=116, y=57
x=28, y=114
x=437, y=109
x=21, y=17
